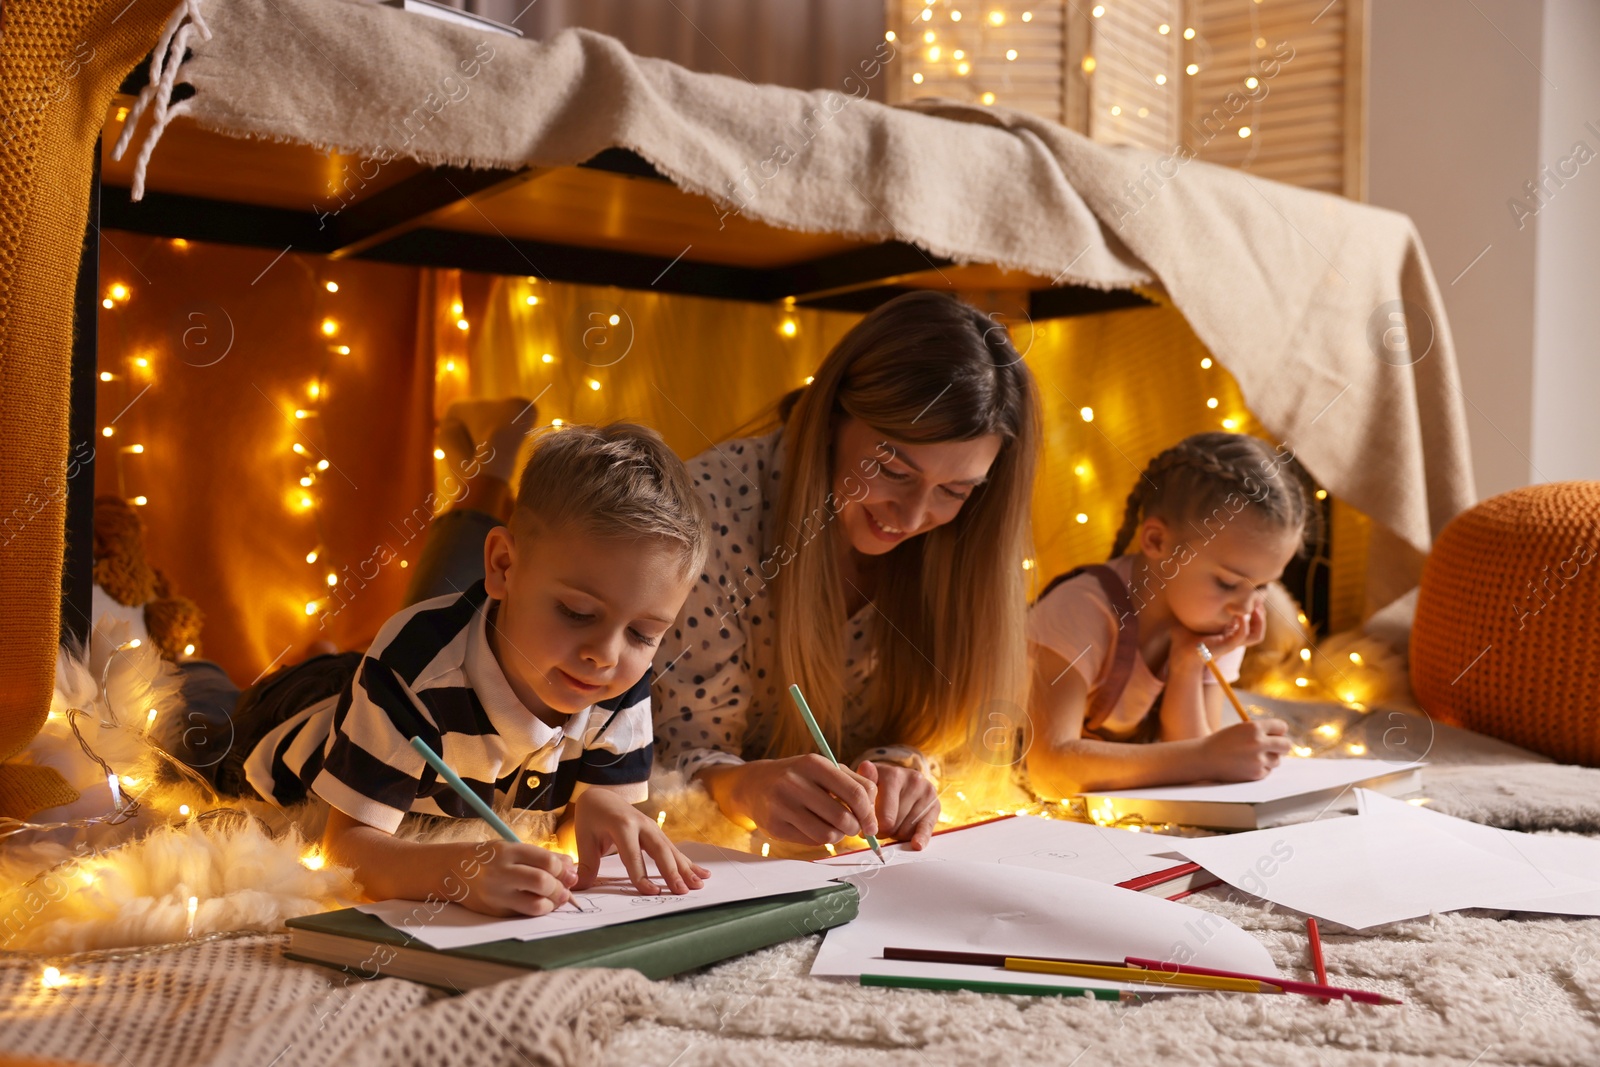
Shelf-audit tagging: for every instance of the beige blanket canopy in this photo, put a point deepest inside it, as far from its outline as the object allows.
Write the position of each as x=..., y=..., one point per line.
x=1306, y=298
x=1309, y=300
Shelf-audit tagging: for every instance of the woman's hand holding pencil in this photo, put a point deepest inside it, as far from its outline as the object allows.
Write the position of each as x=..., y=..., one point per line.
x=807, y=799
x=907, y=805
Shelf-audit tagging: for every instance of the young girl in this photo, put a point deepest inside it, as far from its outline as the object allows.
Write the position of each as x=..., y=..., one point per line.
x=1121, y=697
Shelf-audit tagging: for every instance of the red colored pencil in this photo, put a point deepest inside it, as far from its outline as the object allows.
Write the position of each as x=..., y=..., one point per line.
x=1308, y=989
x=1316, y=951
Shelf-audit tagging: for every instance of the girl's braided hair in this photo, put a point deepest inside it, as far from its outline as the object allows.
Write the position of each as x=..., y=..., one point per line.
x=1194, y=479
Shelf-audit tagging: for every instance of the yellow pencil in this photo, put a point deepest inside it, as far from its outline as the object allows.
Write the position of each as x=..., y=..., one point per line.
x=1227, y=690
x=1139, y=974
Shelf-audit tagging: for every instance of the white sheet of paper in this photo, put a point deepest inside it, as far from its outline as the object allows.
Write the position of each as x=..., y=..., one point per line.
x=953, y=905
x=1570, y=866
x=613, y=900
x=1099, y=853
x=1363, y=871
x=1291, y=778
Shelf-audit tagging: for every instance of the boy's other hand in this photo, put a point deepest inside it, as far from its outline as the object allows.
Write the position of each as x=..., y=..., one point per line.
x=1246, y=751
x=908, y=805
x=603, y=822
x=511, y=878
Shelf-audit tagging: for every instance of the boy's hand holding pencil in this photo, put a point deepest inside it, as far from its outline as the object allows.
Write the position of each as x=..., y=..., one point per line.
x=511, y=878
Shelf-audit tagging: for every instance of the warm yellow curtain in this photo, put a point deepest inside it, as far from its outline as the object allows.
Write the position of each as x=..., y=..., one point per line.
x=1148, y=382
x=1117, y=388
x=242, y=376
x=698, y=369
x=695, y=369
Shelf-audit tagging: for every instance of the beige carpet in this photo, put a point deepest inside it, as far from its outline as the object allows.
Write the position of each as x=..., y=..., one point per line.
x=1480, y=987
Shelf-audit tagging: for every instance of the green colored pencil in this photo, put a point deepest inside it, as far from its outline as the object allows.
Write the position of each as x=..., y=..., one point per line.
x=827, y=750
x=978, y=986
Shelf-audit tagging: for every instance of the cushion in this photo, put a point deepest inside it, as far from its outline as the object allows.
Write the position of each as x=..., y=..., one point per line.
x=1507, y=633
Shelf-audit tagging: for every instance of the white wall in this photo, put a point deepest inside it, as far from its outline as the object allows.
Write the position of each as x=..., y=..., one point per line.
x=1468, y=101
x=1566, y=329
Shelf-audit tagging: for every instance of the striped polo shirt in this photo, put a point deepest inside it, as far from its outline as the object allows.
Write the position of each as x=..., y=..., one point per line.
x=431, y=673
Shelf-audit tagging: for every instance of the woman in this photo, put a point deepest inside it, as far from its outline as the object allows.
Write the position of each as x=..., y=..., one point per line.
x=871, y=551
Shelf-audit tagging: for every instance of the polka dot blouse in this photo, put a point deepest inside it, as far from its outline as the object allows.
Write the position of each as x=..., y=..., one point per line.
x=717, y=684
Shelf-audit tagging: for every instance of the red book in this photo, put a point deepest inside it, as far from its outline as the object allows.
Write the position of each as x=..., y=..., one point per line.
x=1174, y=883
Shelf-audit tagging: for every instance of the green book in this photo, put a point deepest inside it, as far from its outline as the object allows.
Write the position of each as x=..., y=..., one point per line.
x=368, y=947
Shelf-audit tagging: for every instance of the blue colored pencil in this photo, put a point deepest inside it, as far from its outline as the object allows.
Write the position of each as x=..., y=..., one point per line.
x=474, y=801
x=827, y=750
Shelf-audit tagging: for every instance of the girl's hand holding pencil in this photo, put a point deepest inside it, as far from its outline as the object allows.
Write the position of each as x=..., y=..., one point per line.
x=1245, y=751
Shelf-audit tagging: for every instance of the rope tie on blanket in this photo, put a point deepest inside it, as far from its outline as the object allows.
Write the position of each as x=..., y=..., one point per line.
x=166, y=60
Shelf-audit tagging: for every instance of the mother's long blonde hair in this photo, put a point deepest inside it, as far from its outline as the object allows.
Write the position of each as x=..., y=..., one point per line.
x=949, y=629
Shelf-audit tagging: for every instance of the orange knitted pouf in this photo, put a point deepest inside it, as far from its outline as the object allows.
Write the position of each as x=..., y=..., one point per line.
x=1507, y=633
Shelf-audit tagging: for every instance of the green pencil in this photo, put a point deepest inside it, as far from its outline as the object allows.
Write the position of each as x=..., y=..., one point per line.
x=977, y=986
x=827, y=750
x=474, y=801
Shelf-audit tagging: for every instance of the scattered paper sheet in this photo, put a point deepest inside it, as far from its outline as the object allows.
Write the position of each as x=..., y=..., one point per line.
x=953, y=905
x=1291, y=778
x=1363, y=870
x=613, y=900
x=1570, y=865
x=1099, y=853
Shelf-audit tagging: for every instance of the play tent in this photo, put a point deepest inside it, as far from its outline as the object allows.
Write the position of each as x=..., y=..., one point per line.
x=340, y=132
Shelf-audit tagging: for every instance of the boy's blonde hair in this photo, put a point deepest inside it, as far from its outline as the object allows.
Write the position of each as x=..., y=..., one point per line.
x=614, y=481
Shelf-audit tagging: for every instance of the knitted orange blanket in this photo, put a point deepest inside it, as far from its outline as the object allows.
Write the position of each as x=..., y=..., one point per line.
x=60, y=63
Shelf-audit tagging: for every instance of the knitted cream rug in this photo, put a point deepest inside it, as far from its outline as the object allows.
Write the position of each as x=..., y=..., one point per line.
x=1480, y=987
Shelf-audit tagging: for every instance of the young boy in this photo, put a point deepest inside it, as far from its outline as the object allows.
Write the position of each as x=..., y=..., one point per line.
x=533, y=684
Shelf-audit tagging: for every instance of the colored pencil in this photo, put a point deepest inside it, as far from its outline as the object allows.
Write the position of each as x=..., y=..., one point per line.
x=978, y=986
x=1288, y=985
x=827, y=750
x=1227, y=690
x=977, y=959
x=1140, y=974
x=1316, y=951
x=474, y=801
x=938, y=833
x=1284, y=985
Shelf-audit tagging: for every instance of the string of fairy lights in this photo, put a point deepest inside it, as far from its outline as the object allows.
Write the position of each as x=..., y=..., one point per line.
x=955, y=42
x=310, y=466
x=950, y=45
